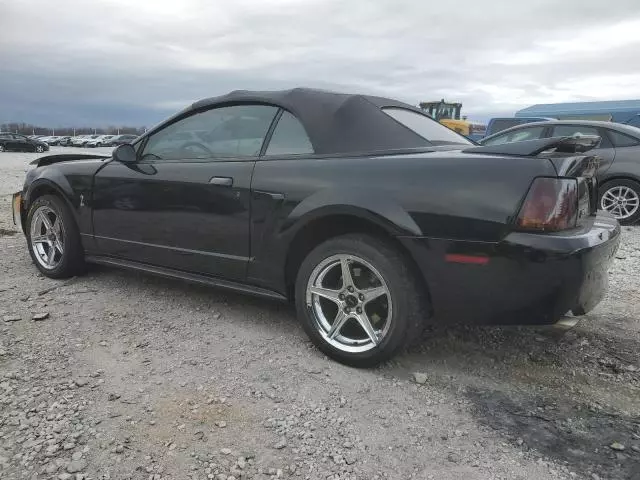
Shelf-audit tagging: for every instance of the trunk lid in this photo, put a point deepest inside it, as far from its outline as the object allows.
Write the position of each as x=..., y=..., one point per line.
x=567, y=155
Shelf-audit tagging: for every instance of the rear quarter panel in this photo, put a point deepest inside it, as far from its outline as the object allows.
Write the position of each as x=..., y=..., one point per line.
x=626, y=165
x=439, y=195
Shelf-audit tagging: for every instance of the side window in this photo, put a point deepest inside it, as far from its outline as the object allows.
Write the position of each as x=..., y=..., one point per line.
x=426, y=127
x=533, y=133
x=503, y=124
x=236, y=131
x=289, y=137
x=622, y=140
x=573, y=130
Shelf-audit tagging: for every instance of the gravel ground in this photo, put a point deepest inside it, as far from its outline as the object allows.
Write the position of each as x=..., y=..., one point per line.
x=117, y=375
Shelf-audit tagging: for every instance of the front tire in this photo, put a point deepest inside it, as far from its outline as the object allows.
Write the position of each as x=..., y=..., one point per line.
x=621, y=198
x=53, y=238
x=367, y=318
x=2, y=148
x=39, y=149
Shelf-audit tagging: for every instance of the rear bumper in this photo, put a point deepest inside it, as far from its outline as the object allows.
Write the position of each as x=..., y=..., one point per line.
x=526, y=279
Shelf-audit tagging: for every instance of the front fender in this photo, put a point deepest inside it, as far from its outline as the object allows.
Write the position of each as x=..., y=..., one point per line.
x=71, y=181
x=47, y=180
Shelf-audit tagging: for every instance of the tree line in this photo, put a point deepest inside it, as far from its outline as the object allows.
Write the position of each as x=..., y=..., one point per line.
x=29, y=129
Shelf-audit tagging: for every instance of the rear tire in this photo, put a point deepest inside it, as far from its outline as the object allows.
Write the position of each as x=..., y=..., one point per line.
x=2, y=149
x=374, y=265
x=39, y=149
x=621, y=190
x=67, y=259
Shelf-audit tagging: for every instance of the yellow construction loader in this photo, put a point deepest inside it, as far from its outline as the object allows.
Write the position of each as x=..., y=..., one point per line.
x=448, y=114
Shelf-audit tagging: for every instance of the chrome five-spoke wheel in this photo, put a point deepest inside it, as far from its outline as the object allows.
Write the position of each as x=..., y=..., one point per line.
x=47, y=237
x=621, y=201
x=350, y=303
x=359, y=299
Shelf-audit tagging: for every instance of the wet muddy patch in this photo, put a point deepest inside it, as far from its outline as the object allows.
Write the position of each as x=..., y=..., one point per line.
x=587, y=438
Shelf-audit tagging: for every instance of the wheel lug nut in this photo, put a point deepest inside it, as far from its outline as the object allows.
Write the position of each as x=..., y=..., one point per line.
x=341, y=296
x=358, y=310
x=347, y=310
x=350, y=288
x=361, y=297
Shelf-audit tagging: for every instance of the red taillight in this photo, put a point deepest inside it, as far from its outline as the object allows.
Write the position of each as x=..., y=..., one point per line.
x=551, y=205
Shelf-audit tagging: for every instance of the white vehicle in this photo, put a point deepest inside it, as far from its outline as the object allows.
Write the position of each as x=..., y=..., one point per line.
x=100, y=141
x=81, y=140
x=52, y=140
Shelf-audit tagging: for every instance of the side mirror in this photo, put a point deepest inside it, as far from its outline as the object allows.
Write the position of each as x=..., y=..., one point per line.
x=125, y=153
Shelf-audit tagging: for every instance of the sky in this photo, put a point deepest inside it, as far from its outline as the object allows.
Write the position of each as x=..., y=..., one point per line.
x=134, y=62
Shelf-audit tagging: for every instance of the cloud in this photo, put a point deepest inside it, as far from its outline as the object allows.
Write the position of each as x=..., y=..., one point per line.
x=116, y=61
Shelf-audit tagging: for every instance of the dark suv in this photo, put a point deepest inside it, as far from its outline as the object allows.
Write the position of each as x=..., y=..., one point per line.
x=21, y=143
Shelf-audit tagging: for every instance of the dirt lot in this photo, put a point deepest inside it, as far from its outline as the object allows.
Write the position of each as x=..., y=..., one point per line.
x=134, y=377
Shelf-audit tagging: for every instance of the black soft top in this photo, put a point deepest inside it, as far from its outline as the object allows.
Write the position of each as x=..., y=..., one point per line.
x=335, y=122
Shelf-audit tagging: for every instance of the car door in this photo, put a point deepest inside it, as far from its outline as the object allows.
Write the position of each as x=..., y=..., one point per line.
x=13, y=143
x=606, y=152
x=20, y=143
x=185, y=203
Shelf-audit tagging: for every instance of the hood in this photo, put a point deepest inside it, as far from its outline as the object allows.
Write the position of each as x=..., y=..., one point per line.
x=51, y=159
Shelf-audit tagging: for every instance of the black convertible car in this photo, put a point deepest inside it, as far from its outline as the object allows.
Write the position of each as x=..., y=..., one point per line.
x=371, y=216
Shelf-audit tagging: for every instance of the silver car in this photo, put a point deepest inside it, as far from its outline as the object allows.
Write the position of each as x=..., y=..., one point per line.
x=619, y=151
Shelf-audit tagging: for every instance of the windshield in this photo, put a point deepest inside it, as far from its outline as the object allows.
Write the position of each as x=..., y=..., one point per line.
x=427, y=128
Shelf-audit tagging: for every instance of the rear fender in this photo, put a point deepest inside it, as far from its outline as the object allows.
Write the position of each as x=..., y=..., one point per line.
x=359, y=202
x=624, y=169
x=270, y=250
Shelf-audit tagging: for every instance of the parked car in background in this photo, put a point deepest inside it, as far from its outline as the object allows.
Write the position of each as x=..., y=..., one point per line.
x=82, y=140
x=65, y=141
x=499, y=124
x=53, y=140
x=619, y=152
x=21, y=143
x=78, y=140
x=369, y=215
x=120, y=139
x=99, y=141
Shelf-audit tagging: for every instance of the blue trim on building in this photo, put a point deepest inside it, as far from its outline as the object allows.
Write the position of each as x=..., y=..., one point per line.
x=580, y=108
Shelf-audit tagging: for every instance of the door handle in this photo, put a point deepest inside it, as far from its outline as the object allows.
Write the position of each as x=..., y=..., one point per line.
x=221, y=181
